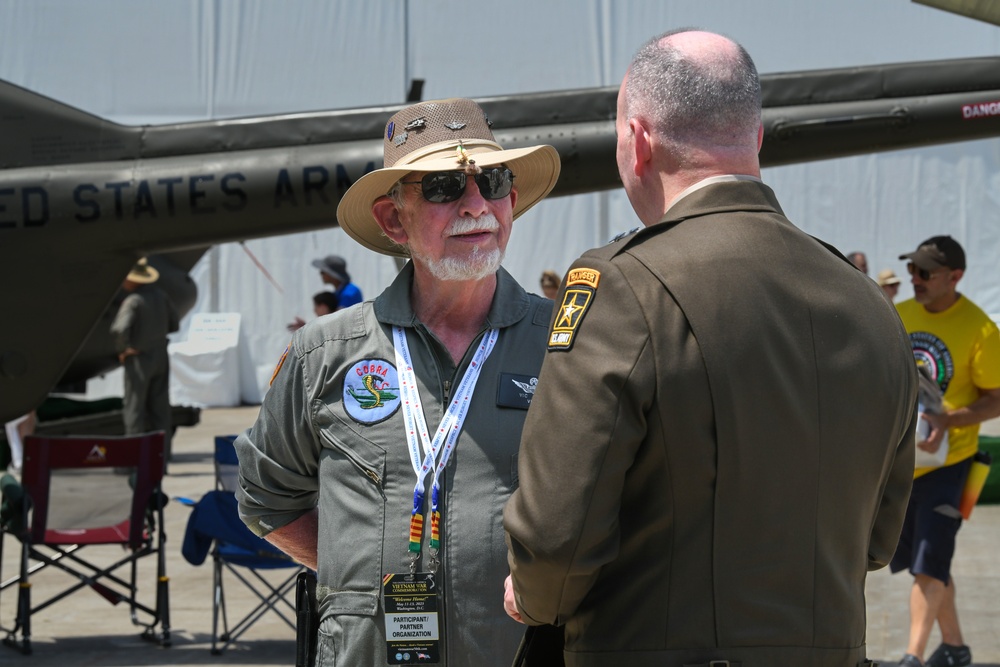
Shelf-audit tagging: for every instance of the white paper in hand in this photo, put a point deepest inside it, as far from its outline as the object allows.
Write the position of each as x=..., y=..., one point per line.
x=926, y=459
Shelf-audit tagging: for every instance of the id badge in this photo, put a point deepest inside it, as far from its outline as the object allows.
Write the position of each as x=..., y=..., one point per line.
x=411, y=619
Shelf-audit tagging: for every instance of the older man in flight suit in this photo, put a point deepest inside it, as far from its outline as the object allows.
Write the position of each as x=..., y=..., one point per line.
x=347, y=456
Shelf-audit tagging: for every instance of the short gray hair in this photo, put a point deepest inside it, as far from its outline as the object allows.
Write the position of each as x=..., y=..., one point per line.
x=704, y=101
x=395, y=193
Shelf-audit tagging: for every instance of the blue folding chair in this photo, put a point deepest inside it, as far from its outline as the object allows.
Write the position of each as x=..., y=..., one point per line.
x=227, y=465
x=215, y=528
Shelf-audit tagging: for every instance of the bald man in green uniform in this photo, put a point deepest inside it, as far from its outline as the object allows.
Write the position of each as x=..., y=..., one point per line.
x=721, y=440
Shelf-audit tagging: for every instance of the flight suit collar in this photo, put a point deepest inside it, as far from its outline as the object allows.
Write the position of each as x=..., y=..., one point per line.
x=510, y=301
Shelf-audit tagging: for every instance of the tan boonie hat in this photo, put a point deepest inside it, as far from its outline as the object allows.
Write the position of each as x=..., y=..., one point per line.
x=143, y=273
x=441, y=135
x=887, y=277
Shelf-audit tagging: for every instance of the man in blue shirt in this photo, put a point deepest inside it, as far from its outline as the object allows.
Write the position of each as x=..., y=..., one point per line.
x=333, y=271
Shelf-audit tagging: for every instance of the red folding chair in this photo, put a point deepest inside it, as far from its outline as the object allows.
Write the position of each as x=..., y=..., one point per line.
x=80, y=493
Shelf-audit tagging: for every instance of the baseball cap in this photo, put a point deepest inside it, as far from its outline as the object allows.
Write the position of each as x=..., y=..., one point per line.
x=936, y=252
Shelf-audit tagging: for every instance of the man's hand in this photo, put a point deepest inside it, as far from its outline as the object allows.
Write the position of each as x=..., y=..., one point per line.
x=296, y=324
x=126, y=353
x=509, y=605
x=939, y=426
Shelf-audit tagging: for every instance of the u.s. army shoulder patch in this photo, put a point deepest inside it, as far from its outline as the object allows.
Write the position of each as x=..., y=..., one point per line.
x=581, y=284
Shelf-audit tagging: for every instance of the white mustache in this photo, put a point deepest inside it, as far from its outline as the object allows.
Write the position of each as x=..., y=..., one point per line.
x=484, y=223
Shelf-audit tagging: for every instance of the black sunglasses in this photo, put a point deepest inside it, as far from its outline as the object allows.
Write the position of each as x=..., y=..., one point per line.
x=441, y=187
x=924, y=274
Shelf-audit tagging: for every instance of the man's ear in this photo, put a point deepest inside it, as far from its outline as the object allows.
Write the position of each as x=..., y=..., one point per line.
x=387, y=216
x=642, y=147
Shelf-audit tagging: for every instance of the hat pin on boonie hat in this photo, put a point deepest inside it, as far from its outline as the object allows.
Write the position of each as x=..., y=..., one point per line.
x=441, y=135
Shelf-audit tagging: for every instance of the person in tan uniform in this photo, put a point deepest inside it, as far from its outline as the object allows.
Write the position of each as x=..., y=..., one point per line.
x=140, y=331
x=721, y=440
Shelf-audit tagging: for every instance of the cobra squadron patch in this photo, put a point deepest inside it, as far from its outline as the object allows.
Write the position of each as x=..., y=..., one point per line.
x=371, y=391
x=581, y=284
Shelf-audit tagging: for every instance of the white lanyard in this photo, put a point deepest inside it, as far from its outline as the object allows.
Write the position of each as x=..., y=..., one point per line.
x=423, y=451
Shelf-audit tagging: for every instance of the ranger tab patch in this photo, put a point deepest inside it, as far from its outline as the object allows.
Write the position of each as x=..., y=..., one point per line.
x=581, y=284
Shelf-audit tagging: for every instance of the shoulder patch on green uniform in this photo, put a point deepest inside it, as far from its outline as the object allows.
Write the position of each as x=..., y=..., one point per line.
x=281, y=362
x=581, y=284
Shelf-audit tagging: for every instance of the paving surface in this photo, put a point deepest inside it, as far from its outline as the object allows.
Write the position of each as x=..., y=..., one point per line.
x=85, y=629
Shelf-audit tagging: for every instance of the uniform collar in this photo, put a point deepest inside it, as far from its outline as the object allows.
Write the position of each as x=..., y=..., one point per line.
x=705, y=182
x=720, y=194
x=510, y=301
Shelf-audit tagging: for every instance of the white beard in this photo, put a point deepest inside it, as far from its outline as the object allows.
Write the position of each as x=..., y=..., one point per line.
x=475, y=267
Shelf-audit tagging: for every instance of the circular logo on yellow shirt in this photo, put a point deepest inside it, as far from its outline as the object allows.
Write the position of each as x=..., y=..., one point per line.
x=931, y=354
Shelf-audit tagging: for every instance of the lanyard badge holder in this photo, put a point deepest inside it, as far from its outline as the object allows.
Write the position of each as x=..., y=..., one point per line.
x=410, y=599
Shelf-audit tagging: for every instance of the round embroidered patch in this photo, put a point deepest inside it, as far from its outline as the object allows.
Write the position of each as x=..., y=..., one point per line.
x=371, y=391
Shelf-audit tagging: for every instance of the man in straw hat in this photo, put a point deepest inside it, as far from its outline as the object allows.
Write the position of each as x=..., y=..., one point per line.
x=889, y=282
x=347, y=468
x=703, y=479
x=140, y=331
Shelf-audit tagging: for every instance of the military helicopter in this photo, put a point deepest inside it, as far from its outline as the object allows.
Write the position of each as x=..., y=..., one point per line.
x=81, y=198
x=981, y=10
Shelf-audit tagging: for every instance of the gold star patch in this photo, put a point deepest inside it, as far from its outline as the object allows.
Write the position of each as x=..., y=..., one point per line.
x=581, y=284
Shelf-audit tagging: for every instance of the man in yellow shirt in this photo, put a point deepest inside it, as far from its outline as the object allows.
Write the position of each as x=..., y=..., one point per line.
x=958, y=345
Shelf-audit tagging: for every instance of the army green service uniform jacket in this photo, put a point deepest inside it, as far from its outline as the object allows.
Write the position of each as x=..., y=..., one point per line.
x=720, y=446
